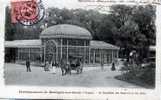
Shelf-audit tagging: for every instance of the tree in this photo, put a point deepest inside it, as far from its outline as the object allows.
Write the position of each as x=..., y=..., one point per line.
x=145, y=17
x=9, y=31
x=134, y=27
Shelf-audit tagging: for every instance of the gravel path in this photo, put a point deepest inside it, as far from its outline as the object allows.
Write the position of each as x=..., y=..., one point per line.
x=91, y=77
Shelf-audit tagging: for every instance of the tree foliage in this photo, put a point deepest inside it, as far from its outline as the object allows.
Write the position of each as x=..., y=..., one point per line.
x=135, y=27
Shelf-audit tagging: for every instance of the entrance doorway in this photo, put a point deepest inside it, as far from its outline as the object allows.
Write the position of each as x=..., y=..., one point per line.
x=51, y=51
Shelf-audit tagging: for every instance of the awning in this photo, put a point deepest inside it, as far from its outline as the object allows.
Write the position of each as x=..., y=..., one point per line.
x=23, y=44
x=37, y=44
x=102, y=45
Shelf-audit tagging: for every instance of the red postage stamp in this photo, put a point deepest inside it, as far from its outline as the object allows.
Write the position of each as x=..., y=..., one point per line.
x=26, y=12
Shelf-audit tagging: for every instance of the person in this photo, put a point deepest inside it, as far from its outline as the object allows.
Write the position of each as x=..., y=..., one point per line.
x=46, y=68
x=113, y=67
x=53, y=68
x=78, y=62
x=102, y=65
x=28, y=65
x=50, y=66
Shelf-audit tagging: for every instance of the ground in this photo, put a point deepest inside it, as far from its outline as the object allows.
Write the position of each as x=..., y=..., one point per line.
x=91, y=77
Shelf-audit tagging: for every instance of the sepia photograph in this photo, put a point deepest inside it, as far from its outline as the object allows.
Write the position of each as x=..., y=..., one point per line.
x=78, y=46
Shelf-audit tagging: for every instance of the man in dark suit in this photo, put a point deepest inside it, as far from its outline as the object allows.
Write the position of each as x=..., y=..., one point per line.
x=28, y=65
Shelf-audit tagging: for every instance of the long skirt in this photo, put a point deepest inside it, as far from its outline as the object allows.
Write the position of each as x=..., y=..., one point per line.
x=53, y=69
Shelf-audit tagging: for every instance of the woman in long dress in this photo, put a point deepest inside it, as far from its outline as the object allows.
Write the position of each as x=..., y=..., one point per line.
x=53, y=68
x=46, y=68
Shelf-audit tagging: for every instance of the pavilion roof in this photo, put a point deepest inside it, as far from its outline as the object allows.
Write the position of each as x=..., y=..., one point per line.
x=102, y=45
x=23, y=43
x=66, y=31
x=37, y=43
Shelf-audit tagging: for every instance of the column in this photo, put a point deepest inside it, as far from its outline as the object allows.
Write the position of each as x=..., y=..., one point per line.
x=84, y=51
x=44, y=52
x=89, y=54
x=94, y=55
x=112, y=55
x=61, y=48
x=18, y=54
x=29, y=53
x=41, y=53
x=100, y=55
x=106, y=56
x=67, y=50
x=117, y=53
x=117, y=56
x=56, y=58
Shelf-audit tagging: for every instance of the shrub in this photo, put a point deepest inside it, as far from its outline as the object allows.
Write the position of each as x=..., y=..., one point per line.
x=148, y=74
x=135, y=72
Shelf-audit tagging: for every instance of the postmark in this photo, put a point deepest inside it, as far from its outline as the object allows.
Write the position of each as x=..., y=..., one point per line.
x=28, y=12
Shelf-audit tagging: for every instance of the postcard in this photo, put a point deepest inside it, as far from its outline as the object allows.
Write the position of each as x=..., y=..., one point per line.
x=80, y=49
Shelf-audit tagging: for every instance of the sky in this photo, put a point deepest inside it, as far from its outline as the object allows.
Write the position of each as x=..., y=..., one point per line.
x=74, y=4
x=69, y=4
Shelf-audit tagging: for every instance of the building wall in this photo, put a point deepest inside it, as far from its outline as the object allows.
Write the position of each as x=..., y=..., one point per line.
x=55, y=49
x=22, y=54
x=105, y=56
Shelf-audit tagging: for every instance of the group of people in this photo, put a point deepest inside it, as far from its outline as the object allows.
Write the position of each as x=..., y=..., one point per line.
x=50, y=67
x=47, y=67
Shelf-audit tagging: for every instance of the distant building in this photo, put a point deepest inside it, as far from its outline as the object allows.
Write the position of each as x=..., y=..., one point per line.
x=61, y=41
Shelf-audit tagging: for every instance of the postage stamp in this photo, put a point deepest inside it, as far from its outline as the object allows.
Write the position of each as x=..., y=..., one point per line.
x=27, y=12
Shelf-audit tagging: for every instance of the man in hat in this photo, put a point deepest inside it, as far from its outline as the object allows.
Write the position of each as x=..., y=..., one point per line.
x=28, y=65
